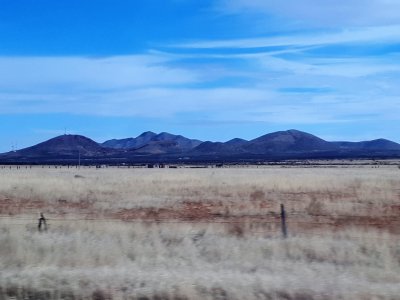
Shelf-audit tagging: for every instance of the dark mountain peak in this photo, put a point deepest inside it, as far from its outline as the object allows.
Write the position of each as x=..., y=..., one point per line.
x=168, y=143
x=147, y=134
x=141, y=140
x=67, y=144
x=295, y=132
x=289, y=134
x=69, y=141
x=151, y=142
x=236, y=141
x=290, y=140
x=382, y=144
x=381, y=141
x=373, y=145
x=163, y=136
x=300, y=134
x=129, y=143
x=231, y=147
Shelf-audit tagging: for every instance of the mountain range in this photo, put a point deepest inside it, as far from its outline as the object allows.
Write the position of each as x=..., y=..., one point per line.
x=152, y=143
x=166, y=147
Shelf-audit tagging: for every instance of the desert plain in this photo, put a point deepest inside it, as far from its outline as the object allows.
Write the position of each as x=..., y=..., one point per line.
x=200, y=233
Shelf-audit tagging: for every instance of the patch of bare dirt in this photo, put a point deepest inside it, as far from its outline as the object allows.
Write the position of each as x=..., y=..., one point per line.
x=17, y=206
x=207, y=211
x=12, y=207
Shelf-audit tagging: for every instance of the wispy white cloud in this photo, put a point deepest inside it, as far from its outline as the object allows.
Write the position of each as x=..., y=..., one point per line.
x=363, y=35
x=57, y=73
x=166, y=85
x=258, y=104
x=321, y=64
x=145, y=102
x=344, y=67
x=317, y=13
x=349, y=89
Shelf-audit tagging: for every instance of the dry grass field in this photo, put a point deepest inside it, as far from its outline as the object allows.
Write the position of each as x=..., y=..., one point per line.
x=120, y=233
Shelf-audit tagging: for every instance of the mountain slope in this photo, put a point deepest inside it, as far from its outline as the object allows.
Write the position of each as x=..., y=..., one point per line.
x=182, y=142
x=151, y=143
x=159, y=147
x=236, y=142
x=377, y=145
x=129, y=143
x=64, y=145
x=230, y=147
x=288, y=141
x=169, y=147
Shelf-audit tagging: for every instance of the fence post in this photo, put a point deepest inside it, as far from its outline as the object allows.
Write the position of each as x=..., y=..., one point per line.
x=283, y=221
x=42, y=222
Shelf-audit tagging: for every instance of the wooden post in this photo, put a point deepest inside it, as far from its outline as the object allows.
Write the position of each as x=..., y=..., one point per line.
x=283, y=222
x=42, y=222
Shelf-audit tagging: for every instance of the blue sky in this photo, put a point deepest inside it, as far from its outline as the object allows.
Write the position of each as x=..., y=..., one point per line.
x=211, y=70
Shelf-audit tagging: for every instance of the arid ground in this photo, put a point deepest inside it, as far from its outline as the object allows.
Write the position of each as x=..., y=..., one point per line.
x=200, y=233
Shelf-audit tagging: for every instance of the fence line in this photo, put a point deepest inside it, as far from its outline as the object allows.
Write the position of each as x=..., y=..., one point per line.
x=276, y=220
x=295, y=233
x=168, y=221
x=271, y=218
x=274, y=215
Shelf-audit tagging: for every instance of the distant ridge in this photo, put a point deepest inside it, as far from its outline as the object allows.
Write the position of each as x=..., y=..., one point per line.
x=61, y=149
x=150, y=142
x=288, y=141
x=234, y=146
x=150, y=146
x=130, y=143
x=64, y=145
x=379, y=144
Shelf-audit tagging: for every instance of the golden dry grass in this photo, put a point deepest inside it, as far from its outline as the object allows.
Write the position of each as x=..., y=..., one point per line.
x=227, y=246
x=337, y=191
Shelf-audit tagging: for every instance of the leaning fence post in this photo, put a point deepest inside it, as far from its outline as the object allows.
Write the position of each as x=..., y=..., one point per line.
x=283, y=221
x=42, y=222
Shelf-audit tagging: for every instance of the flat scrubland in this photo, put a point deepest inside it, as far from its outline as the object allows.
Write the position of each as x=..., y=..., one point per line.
x=120, y=233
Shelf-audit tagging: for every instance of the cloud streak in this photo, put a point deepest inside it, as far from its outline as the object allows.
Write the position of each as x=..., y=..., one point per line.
x=291, y=78
x=316, y=13
x=248, y=66
x=83, y=73
x=367, y=35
